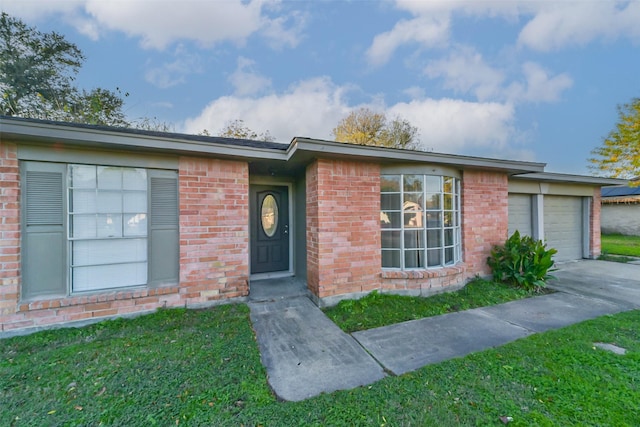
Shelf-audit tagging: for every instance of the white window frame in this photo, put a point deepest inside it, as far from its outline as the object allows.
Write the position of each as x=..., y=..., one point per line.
x=139, y=265
x=422, y=252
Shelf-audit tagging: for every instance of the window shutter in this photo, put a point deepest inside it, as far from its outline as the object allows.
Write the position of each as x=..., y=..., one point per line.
x=164, y=202
x=44, y=243
x=164, y=244
x=44, y=198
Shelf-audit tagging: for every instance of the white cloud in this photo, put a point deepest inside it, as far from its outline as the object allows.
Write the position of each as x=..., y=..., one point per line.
x=313, y=108
x=284, y=31
x=464, y=71
x=559, y=24
x=539, y=86
x=37, y=9
x=428, y=31
x=246, y=81
x=451, y=125
x=308, y=108
x=474, y=7
x=175, y=72
x=550, y=25
x=159, y=23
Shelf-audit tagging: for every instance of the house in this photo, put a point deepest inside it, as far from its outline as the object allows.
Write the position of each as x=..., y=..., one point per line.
x=621, y=209
x=100, y=222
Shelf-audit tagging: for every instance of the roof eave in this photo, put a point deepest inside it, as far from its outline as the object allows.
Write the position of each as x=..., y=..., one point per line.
x=576, y=179
x=44, y=132
x=323, y=148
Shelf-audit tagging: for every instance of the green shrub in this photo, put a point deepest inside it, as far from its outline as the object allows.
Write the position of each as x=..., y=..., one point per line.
x=522, y=262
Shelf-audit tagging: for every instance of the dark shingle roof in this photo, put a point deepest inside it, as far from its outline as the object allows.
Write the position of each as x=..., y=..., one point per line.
x=158, y=134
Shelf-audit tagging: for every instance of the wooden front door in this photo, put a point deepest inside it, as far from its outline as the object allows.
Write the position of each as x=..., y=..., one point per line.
x=269, y=207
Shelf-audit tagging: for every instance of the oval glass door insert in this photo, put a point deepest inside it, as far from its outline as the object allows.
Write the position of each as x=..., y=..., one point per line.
x=269, y=215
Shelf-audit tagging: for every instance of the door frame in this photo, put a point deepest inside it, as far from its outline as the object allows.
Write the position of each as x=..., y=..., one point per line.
x=291, y=270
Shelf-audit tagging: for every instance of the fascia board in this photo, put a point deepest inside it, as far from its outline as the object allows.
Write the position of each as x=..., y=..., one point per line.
x=578, y=179
x=38, y=132
x=326, y=148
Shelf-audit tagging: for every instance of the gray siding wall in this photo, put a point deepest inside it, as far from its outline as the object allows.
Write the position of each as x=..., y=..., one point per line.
x=620, y=218
x=520, y=214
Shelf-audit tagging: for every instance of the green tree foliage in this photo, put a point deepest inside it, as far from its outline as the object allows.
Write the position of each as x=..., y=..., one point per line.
x=37, y=74
x=237, y=129
x=367, y=127
x=619, y=154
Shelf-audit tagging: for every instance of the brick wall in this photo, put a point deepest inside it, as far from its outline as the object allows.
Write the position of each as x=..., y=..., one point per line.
x=485, y=219
x=594, y=225
x=214, y=245
x=343, y=227
x=425, y=282
x=214, y=229
x=9, y=229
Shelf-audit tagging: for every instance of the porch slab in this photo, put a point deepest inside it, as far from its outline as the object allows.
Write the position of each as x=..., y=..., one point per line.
x=305, y=353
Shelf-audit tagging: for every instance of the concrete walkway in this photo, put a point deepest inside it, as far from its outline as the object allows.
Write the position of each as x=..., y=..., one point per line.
x=306, y=354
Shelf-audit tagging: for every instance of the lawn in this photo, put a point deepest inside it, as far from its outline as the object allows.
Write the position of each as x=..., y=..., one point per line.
x=202, y=367
x=376, y=309
x=619, y=244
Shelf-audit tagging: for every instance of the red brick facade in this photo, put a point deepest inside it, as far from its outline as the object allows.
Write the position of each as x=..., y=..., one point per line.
x=214, y=229
x=214, y=242
x=343, y=240
x=485, y=217
x=9, y=229
x=343, y=227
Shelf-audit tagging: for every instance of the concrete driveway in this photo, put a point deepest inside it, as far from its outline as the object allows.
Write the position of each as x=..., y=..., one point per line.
x=609, y=281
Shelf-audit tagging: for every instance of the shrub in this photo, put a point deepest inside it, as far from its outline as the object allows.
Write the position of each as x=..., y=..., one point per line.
x=522, y=262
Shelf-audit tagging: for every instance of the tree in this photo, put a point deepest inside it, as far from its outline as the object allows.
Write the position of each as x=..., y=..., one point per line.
x=619, y=154
x=100, y=106
x=37, y=74
x=237, y=129
x=366, y=127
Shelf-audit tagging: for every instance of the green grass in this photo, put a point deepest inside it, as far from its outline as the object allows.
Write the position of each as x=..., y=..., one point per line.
x=615, y=258
x=376, y=309
x=180, y=367
x=619, y=244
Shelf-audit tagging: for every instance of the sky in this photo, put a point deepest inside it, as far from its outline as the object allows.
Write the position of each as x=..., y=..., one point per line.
x=521, y=80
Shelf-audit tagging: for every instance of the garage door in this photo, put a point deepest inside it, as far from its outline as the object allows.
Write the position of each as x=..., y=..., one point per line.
x=563, y=228
x=520, y=214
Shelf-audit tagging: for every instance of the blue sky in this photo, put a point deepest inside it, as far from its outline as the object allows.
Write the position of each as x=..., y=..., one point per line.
x=529, y=80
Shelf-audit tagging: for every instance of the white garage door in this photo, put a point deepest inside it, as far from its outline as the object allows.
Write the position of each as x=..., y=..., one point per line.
x=520, y=214
x=563, y=226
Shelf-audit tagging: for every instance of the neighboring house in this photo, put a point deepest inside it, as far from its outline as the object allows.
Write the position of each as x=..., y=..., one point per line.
x=100, y=222
x=621, y=210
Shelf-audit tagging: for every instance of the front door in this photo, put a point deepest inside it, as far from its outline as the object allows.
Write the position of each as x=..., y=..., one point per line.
x=269, y=228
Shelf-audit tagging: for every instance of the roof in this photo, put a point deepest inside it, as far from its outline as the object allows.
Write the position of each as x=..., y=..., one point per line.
x=261, y=155
x=37, y=123
x=619, y=191
x=570, y=178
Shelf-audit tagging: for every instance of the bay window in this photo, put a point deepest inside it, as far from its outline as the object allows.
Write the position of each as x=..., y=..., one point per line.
x=420, y=221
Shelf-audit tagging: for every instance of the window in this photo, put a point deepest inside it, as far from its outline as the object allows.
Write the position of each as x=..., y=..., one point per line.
x=93, y=227
x=107, y=227
x=420, y=221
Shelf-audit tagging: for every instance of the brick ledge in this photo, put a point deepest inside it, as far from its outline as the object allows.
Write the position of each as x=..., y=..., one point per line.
x=98, y=297
x=424, y=274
